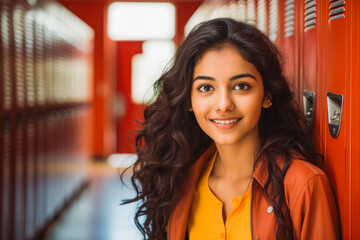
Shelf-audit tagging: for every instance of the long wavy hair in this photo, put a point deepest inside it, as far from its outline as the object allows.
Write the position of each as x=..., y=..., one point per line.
x=171, y=139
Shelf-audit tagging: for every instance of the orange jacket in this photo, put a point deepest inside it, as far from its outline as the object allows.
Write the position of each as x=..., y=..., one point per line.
x=308, y=195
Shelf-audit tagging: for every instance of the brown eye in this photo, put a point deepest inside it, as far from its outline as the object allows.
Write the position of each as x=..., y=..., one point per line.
x=242, y=86
x=205, y=88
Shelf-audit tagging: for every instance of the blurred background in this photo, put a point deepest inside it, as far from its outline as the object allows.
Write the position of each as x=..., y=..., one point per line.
x=75, y=76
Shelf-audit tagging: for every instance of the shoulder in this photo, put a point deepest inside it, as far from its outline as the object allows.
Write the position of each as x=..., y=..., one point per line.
x=311, y=202
x=302, y=179
x=302, y=171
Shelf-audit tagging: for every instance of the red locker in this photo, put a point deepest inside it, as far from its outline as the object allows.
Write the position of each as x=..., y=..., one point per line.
x=30, y=170
x=39, y=57
x=336, y=105
x=276, y=22
x=354, y=139
x=19, y=133
x=40, y=173
x=6, y=38
x=7, y=102
x=39, y=121
x=290, y=48
x=6, y=208
x=262, y=16
x=251, y=12
x=19, y=185
x=312, y=95
x=30, y=204
x=39, y=166
x=29, y=58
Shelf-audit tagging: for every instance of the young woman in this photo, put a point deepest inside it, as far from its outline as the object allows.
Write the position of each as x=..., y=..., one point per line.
x=224, y=153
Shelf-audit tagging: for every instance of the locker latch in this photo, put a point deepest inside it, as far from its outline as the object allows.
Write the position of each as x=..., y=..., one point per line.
x=334, y=106
x=309, y=106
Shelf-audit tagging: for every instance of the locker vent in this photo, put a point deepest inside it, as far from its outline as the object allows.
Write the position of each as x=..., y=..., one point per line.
x=6, y=56
x=273, y=28
x=29, y=56
x=39, y=60
x=336, y=10
x=49, y=63
x=309, y=15
x=261, y=15
x=18, y=26
x=250, y=12
x=289, y=18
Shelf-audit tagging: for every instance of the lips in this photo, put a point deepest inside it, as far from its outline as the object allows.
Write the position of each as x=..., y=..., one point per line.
x=225, y=121
x=225, y=124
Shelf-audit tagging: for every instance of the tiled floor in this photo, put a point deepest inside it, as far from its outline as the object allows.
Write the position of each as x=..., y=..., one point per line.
x=97, y=214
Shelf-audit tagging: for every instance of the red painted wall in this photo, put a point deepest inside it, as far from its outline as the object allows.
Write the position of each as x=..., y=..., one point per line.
x=126, y=124
x=184, y=10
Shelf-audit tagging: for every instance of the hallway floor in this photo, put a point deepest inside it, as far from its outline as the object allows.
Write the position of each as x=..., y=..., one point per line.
x=97, y=214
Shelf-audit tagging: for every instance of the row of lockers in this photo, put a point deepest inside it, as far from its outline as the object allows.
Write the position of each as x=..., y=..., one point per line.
x=45, y=49
x=44, y=162
x=320, y=43
x=45, y=108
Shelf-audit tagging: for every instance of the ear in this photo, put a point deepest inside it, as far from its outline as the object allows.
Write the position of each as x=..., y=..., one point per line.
x=267, y=101
x=190, y=109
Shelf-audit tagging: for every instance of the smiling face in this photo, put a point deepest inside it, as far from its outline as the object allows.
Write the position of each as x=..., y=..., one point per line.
x=227, y=96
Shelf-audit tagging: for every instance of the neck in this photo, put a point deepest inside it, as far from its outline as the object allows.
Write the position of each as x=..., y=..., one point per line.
x=236, y=161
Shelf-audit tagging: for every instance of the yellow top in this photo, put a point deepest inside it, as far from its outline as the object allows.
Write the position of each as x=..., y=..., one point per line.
x=206, y=213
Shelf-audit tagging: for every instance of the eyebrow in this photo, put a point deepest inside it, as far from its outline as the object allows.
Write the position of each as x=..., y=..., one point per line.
x=243, y=75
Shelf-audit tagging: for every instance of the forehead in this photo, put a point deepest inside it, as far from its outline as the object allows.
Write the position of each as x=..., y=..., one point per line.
x=223, y=61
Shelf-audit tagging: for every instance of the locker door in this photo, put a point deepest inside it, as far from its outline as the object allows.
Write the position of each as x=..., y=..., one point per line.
x=30, y=178
x=337, y=105
x=6, y=100
x=261, y=16
x=6, y=168
x=276, y=22
x=1, y=127
x=290, y=49
x=312, y=50
x=355, y=120
x=1, y=123
x=251, y=12
x=19, y=96
x=6, y=207
x=39, y=120
x=40, y=171
x=19, y=204
x=30, y=129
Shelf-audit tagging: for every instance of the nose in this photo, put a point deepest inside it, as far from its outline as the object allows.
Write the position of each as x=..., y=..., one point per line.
x=224, y=101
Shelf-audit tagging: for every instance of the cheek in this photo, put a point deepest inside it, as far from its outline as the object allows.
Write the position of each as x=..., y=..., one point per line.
x=198, y=104
x=200, y=110
x=251, y=106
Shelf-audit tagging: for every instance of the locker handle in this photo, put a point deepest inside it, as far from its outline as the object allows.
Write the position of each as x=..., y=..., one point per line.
x=334, y=107
x=309, y=106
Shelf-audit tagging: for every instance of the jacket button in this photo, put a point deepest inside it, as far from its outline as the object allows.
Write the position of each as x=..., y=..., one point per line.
x=270, y=209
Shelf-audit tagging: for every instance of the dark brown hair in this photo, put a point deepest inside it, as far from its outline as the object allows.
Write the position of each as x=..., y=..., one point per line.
x=171, y=139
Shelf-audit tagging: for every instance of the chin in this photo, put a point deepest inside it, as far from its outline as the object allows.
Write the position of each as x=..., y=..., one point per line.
x=225, y=142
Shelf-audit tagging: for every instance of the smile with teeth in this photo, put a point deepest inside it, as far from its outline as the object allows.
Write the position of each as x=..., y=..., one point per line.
x=225, y=121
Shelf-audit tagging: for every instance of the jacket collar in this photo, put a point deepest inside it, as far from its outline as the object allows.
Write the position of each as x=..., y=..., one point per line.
x=178, y=218
x=260, y=174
